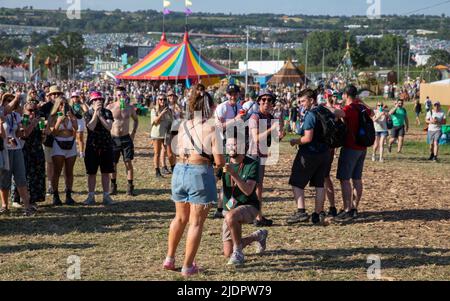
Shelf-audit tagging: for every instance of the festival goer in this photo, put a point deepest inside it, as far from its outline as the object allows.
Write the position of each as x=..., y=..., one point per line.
x=161, y=117
x=193, y=182
x=33, y=154
x=400, y=121
x=99, y=147
x=79, y=108
x=53, y=93
x=262, y=126
x=123, y=140
x=177, y=114
x=12, y=157
x=428, y=104
x=242, y=205
x=352, y=156
x=418, y=111
x=435, y=119
x=329, y=185
x=228, y=115
x=63, y=127
x=380, y=122
x=310, y=164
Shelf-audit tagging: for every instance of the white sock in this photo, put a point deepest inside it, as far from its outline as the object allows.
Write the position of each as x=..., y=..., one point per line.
x=237, y=248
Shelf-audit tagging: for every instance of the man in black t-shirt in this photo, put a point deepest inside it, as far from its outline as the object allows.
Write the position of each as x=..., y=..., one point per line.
x=99, y=147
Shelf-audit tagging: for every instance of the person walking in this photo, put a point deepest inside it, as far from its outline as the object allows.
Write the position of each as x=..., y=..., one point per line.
x=400, y=121
x=381, y=128
x=435, y=119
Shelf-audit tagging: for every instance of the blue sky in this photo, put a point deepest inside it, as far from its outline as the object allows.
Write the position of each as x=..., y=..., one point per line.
x=310, y=7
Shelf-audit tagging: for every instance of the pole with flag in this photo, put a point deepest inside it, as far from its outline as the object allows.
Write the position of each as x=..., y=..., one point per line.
x=187, y=11
x=166, y=11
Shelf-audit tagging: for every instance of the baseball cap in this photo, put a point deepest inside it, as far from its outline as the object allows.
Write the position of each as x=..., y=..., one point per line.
x=233, y=88
x=75, y=94
x=96, y=95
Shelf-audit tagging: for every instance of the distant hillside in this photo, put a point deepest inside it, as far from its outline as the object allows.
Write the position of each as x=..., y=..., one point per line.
x=151, y=20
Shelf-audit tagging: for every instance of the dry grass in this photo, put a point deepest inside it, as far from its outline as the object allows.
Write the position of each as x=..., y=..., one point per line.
x=404, y=219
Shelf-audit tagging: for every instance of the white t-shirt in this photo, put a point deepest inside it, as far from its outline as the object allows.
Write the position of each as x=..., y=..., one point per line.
x=252, y=107
x=440, y=117
x=225, y=111
x=11, y=124
x=381, y=123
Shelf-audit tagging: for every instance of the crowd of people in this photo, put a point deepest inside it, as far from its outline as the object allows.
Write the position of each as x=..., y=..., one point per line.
x=217, y=150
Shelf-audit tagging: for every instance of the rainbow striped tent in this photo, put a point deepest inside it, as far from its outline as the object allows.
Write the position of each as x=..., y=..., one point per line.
x=173, y=62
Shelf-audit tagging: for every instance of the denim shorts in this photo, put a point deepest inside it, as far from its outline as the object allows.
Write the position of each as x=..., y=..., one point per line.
x=16, y=170
x=194, y=184
x=382, y=134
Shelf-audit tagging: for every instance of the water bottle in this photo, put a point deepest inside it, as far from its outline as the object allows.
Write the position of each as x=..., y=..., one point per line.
x=42, y=124
x=122, y=104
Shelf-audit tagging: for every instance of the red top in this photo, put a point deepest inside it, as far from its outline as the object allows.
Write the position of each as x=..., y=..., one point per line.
x=352, y=122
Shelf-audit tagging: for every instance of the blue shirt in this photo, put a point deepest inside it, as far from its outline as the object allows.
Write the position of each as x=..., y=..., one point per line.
x=316, y=146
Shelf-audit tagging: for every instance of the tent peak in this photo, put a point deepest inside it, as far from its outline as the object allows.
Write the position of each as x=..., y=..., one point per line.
x=163, y=37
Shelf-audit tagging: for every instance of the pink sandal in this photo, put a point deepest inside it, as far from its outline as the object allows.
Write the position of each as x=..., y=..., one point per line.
x=188, y=272
x=169, y=264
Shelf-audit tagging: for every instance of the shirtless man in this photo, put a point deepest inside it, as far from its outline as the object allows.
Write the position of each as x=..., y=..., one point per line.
x=123, y=141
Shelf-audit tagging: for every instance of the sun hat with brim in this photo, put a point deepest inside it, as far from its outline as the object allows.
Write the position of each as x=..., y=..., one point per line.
x=7, y=96
x=266, y=93
x=54, y=90
x=96, y=95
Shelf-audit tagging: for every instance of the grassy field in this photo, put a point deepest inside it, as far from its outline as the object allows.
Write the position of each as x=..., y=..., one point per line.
x=404, y=219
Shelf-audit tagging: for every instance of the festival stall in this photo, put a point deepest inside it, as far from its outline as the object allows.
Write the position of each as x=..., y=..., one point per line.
x=437, y=91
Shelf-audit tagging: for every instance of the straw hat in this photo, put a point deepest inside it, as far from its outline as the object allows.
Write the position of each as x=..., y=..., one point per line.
x=54, y=90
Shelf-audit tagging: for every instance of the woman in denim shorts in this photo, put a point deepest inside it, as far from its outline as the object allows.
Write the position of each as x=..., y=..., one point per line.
x=381, y=129
x=193, y=182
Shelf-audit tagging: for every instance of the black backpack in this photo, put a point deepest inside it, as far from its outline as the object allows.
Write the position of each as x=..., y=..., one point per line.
x=366, y=132
x=334, y=131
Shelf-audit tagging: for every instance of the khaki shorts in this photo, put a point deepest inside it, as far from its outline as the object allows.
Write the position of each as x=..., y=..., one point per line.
x=245, y=214
x=48, y=152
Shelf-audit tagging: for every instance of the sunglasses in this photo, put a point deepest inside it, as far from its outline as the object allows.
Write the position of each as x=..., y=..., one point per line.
x=266, y=99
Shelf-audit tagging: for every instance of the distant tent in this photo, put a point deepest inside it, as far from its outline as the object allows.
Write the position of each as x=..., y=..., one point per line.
x=288, y=75
x=173, y=62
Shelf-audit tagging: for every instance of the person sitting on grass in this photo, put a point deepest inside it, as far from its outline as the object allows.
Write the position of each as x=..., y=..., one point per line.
x=241, y=204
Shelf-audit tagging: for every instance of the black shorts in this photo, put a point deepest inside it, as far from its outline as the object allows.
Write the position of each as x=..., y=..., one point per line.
x=309, y=169
x=123, y=146
x=398, y=131
x=99, y=158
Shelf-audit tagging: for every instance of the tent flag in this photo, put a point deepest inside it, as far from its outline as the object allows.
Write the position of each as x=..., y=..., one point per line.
x=188, y=3
x=166, y=11
x=166, y=3
x=188, y=83
x=187, y=11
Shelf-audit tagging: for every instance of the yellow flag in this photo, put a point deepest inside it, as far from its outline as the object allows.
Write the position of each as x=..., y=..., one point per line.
x=188, y=3
x=166, y=3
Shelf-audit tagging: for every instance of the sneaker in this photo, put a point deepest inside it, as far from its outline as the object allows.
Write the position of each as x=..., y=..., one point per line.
x=237, y=259
x=69, y=200
x=50, y=191
x=390, y=148
x=158, y=174
x=344, y=217
x=165, y=171
x=192, y=271
x=113, y=189
x=318, y=219
x=34, y=206
x=354, y=213
x=431, y=157
x=374, y=158
x=435, y=159
x=29, y=212
x=263, y=222
x=56, y=200
x=169, y=264
x=90, y=201
x=218, y=214
x=130, y=190
x=381, y=160
x=332, y=212
x=82, y=155
x=261, y=243
x=17, y=205
x=4, y=211
x=107, y=201
x=298, y=217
